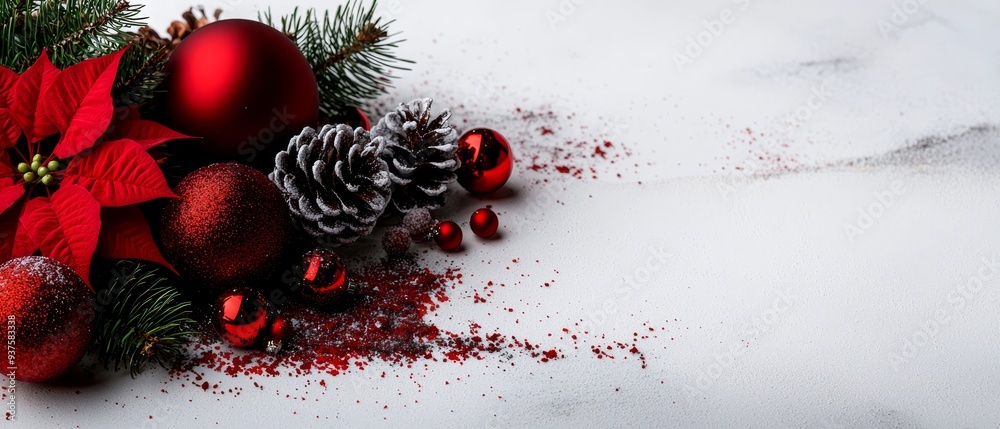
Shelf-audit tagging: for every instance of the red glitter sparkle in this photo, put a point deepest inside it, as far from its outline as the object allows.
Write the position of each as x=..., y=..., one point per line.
x=390, y=316
x=387, y=320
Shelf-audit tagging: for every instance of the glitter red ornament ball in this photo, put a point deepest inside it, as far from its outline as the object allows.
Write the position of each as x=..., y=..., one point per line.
x=396, y=241
x=448, y=235
x=419, y=223
x=48, y=314
x=241, y=316
x=230, y=227
x=487, y=161
x=484, y=223
x=242, y=86
x=324, y=281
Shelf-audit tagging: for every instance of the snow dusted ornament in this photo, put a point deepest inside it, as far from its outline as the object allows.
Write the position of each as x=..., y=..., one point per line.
x=420, y=152
x=50, y=311
x=334, y=182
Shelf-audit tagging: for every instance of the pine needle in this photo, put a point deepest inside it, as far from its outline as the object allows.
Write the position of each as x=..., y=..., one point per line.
x=75, y=30
x=140, y=319
x=350, y=52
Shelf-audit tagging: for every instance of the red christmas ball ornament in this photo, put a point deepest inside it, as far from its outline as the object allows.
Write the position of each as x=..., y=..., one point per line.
x=354, y=117
x=48, y=314
x=241, y=85
x=241, y=316
x=324, y=281
x=419, y=223
x=396, y=241
x=229, y=228
x=448, y=235
x=484, y=223
x=280, y=331
x=486, y=161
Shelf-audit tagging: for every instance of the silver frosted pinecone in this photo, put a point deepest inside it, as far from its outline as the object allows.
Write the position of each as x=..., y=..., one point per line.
x=420, y=151
x=334, y=181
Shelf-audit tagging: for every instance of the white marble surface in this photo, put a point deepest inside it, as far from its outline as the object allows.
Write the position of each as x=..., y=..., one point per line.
x=902, y=128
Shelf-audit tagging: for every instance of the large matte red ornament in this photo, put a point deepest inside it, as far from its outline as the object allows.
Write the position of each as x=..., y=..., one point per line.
x=486, y=161
x=448, y=235
x=242, y=86
x=229, y=227
x=241, y=317
x=484, y=223
x=324, y=280
x=48, y=317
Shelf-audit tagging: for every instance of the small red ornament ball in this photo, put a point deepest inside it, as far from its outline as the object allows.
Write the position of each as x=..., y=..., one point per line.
x=354, y=117
x=324, y=280
x=448, y=235
x=241, y=316
x=241, y=85
x=229, y=228
x=396, y=241
x=281, y=329
x=486, y=161
x=484, y=223
x=48, y=317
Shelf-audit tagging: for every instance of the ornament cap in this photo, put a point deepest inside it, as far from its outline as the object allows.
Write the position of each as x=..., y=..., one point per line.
x=273, y=347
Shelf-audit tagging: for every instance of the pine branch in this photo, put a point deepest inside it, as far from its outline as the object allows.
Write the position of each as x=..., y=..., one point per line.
x=351, y=53
x=369, y=35
x=75, y=30
x=140, y=319
x=94, y=26
x=140, y=73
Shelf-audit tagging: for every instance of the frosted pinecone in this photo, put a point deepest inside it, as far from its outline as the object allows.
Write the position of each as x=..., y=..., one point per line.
x=420, y=152
x=334, y=181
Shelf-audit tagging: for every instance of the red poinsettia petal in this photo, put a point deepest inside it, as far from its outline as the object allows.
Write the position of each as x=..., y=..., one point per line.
x=10, y=131
x=15, y=241
x=119, y=173
x=119, y=119
x=25, y=99
x=8, y=78
x=126, y=235
x=79, y=103
x=9, y=194
x=8, y=227
x=147, y=134
x=6, y=167
x=66, y=227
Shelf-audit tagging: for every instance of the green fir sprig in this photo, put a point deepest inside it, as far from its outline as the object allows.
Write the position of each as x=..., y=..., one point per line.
x=75, y=30
x=351, y=52
x=141, y=318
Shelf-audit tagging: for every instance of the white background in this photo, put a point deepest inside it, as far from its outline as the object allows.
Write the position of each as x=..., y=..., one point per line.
x=927, y=89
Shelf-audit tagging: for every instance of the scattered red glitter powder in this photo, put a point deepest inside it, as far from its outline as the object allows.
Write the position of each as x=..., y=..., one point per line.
x=544, y=143
x=390, y=317
x=760, y=153
x=387, y=321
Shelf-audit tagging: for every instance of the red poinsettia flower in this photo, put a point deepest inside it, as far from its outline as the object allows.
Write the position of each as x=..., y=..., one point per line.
x=70, y=177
